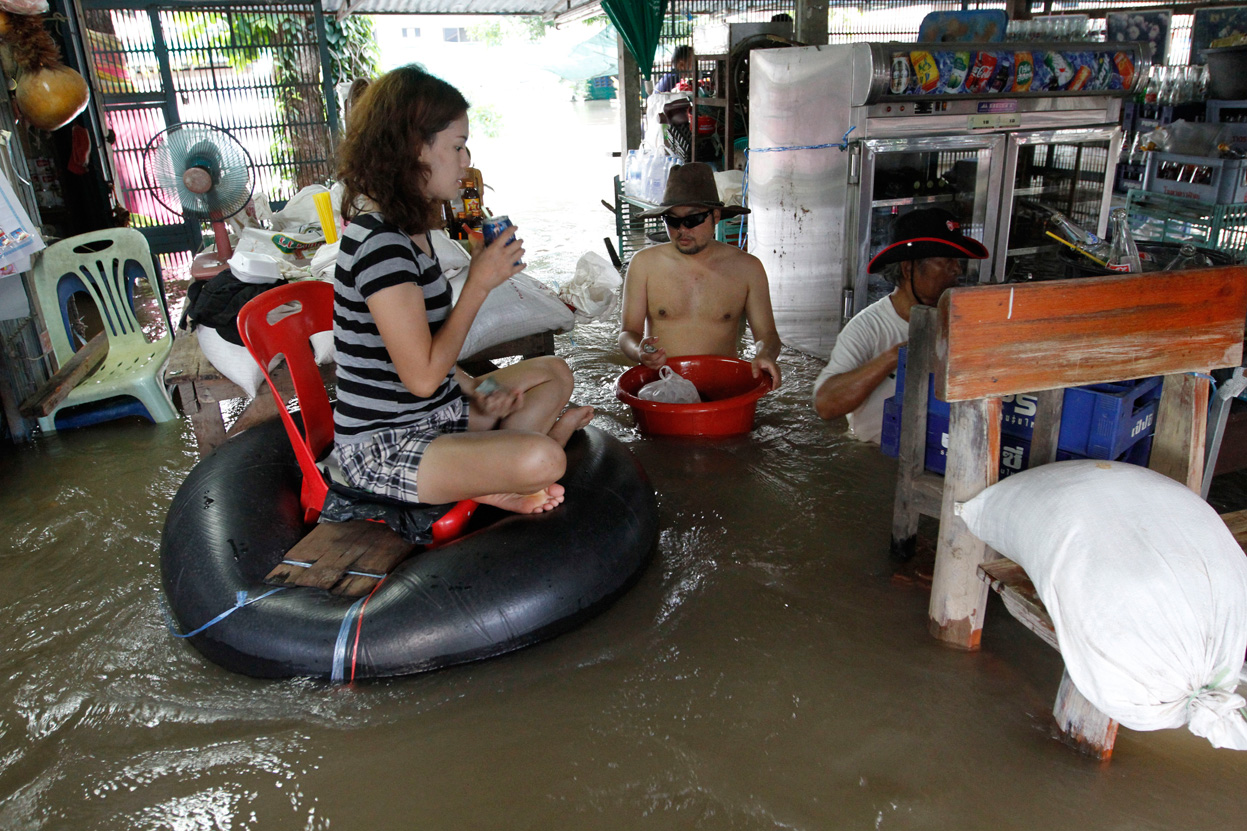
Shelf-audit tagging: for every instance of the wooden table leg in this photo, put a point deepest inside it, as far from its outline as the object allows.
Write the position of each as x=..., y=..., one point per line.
x=1181, y=424
x=912, y=451
x=958, y=596
x=1082, y=726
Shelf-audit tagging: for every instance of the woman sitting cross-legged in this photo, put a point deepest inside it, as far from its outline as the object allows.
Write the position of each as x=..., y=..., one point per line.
x=409, y=424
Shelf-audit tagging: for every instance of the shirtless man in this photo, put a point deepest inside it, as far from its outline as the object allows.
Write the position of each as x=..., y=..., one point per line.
x=688, y=296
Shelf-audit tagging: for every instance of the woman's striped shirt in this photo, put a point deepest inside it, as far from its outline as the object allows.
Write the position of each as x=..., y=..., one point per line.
x=376, y=255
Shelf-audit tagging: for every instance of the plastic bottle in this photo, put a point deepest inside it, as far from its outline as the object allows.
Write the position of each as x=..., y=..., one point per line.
x=632, y=173
x=1123, y=254
x=1188, y=257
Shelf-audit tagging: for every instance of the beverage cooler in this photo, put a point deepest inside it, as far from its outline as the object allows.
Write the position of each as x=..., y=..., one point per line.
x=845, y=138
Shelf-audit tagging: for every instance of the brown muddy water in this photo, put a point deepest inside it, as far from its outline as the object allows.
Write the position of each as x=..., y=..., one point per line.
x=764, y=673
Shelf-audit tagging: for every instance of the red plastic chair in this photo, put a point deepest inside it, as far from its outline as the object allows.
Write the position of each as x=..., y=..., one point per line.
x=268, y=335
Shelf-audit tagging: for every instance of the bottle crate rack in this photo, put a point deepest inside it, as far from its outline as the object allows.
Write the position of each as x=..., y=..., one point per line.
x=1155, y=217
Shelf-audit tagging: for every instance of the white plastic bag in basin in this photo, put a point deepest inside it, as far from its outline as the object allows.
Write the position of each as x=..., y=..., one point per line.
x=670, y=388
x=1146, y=587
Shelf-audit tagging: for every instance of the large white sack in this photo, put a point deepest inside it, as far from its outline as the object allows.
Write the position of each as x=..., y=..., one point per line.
x=519, y=307
x=235, y=362
x=1146, y=586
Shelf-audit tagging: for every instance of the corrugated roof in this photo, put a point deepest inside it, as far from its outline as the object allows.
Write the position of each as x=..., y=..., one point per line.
x=545, y=8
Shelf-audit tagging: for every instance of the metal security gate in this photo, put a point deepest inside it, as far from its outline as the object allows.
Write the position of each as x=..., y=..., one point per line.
x=257, y=71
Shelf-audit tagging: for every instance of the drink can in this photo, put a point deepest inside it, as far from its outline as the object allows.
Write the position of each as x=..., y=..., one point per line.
x=1062, y=72
x=959, y=68
x=1125, y=68
x=493, y=226
x=900, y=73
x=1003, y=78
x=1081, y=77
x=982, y=72
x=1024, y=73
x=925, y=71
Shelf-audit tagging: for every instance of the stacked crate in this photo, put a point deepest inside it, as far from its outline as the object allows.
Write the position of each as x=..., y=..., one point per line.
x=1101, y=421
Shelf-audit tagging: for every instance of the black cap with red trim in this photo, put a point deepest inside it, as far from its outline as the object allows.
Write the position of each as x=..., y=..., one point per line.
x=928, y=232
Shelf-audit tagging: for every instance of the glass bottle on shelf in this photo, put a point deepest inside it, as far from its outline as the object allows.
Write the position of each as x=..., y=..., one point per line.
x=1188, y=257
x=1123, y=254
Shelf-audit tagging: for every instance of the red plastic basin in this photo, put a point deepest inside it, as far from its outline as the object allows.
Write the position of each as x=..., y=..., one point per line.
x=728, y=390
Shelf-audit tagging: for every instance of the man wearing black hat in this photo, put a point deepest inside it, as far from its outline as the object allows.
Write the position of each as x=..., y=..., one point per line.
x=687, y=296
x=925, y=258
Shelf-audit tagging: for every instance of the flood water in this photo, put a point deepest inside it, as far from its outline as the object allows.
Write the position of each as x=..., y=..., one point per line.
x=764, y=673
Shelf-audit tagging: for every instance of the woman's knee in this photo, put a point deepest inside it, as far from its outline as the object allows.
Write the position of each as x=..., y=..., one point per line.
x=540, y=460
x=556, y=370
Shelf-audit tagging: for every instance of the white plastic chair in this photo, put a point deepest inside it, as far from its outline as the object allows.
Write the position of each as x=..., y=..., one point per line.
x=97, y=263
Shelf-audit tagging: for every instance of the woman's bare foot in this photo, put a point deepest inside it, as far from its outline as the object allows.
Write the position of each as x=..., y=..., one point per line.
x=526, y=503
x=572, y=419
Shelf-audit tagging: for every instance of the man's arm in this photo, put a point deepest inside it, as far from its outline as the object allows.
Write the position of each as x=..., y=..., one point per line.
x=761, y=319
x=843, y=393
x=635, y=312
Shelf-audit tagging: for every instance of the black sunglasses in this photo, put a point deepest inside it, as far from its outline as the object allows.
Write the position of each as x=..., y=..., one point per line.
x=690, y=221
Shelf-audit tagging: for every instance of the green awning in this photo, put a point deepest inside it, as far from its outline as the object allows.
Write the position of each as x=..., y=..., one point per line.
x=639, y=23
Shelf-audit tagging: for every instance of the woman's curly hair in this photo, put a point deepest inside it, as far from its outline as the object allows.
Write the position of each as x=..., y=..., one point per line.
x=397, y=115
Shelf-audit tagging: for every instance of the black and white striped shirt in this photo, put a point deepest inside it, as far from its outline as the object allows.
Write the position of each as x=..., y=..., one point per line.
x=376, y=255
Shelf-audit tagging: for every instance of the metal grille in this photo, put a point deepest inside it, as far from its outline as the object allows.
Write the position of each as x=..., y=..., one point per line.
x=253, y=70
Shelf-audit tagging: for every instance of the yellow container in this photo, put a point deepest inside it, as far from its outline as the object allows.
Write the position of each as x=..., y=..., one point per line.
x=324, y=209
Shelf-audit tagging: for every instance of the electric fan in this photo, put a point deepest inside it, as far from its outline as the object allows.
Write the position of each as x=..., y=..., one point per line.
x=203, y=173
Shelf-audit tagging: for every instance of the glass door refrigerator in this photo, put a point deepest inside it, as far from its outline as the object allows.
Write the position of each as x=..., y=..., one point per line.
x=843, y=139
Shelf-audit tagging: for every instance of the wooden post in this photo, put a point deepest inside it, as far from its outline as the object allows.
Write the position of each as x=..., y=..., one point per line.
x=911, y=454
x=1082, y=726
x=1047, y=430
x=958, y=597
x=629, y=103
x=1181, y=424
x=811, y=26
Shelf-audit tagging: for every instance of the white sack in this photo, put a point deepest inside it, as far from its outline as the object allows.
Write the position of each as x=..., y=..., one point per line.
x=325, y=260
x=292, y=251
x=593, y=291
x=519, y=307
x=299, y=215
x=1146, y=587
x=235, y=362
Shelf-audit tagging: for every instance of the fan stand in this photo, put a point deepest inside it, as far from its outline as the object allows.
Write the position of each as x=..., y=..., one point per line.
x=208, y=264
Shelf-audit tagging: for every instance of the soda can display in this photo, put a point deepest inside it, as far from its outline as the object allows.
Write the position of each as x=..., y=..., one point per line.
x=493, y=226
x=900, y=73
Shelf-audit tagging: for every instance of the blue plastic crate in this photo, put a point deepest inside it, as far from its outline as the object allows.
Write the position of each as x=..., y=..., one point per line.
x=1014, y=450
x=1099, y=421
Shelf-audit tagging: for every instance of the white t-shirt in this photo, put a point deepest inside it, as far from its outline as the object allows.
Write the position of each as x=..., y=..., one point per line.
x=876, y=330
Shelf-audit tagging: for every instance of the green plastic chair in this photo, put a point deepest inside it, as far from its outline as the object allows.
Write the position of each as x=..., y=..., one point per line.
x=102, y=264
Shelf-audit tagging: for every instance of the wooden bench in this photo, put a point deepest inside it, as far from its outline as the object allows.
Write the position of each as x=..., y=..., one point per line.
x=987, y=342
x=201, y=388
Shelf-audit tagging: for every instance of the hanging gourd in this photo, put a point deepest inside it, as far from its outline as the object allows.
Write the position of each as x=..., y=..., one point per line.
x=49, y=94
